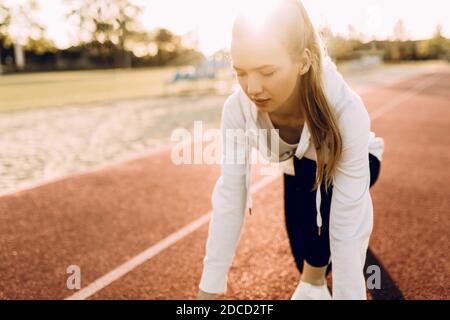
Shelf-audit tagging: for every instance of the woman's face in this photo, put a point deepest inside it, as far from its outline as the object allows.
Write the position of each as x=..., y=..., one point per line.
x=265, y=69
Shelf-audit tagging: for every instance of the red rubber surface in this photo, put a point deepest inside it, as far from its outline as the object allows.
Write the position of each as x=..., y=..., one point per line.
x=101, y=219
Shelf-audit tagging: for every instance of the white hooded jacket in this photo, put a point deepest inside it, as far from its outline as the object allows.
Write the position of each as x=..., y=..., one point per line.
x=351, y=212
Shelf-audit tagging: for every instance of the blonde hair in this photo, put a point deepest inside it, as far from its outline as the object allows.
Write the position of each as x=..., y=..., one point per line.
x=297, y=33
x=319, y=114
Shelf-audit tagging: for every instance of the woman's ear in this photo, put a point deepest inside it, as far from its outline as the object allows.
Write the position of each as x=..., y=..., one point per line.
x=305, y=62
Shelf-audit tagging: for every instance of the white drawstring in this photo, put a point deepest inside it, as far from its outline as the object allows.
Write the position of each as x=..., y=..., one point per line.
x=249, y=196
x=247, y=179
x=318, y=216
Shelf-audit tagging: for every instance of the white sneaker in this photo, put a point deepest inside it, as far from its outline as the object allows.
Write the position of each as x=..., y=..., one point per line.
x=307, y=291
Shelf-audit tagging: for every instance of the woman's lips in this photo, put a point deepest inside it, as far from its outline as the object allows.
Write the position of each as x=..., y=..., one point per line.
x=260, y=102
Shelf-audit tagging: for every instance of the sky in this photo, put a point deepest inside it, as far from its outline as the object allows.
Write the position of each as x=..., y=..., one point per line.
x=212, y=20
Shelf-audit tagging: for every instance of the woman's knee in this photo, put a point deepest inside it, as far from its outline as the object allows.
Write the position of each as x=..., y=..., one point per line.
x=374, y=165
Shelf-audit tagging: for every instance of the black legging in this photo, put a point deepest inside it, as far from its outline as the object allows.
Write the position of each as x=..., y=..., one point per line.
x=300, y=213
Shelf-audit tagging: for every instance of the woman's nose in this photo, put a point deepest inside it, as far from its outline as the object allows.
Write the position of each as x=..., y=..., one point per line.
x=254, y=87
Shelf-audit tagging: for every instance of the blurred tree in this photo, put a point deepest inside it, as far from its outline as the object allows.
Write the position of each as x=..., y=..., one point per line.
x=325, y=33
x=353, y=33
x=438, y=44
x=128, y=27
x=113, y=22
x=37, y=41
x=423, y=50
x=395, y=49
x=22, y=24
x=400, y=32
x=40, y=45
x=338, y=46
x=190, y=39
x=168, y=45
x=5, y=20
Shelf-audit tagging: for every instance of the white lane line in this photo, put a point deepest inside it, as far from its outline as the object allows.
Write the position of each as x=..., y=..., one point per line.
x=144, y=256
x=147, y=254
x=408, y=94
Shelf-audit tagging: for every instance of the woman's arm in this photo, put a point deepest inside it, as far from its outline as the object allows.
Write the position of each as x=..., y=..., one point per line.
x=351, y=212
x=228, y=201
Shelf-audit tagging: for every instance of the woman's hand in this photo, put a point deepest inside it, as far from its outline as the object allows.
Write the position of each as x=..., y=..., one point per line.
x=202, y=295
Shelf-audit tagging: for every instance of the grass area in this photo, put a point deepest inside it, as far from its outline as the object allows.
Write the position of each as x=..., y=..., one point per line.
x=53, y=89
x=50, y=89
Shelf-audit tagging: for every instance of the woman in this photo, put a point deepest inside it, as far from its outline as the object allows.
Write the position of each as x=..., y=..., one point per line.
x=322, y=133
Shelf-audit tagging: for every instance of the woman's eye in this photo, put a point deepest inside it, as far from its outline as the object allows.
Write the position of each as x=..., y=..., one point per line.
x=264, y=74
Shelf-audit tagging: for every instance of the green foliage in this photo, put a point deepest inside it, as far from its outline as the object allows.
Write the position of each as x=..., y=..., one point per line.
x=398, y=49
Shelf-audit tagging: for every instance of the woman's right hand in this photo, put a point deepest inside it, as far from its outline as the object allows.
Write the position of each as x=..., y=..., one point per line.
x=202, y=295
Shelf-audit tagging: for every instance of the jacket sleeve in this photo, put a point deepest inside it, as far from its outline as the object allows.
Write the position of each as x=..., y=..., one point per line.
x=351, y=211
x=228, y=201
